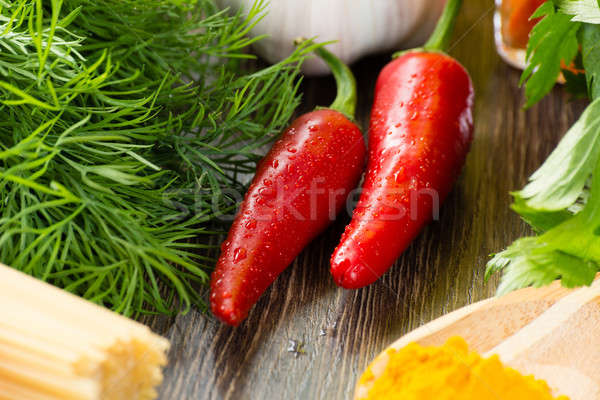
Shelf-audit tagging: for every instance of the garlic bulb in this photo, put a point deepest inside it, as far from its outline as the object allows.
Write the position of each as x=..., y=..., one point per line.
x=360, y=26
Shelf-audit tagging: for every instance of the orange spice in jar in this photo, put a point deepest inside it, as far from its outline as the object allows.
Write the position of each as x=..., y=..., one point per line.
x=516, y=21
x=513, y=24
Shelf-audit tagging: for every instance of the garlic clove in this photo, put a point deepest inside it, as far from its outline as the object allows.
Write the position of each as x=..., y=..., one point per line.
x=360, y=27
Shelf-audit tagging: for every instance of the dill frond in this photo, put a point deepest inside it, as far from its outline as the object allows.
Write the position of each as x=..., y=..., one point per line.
x=123, y=126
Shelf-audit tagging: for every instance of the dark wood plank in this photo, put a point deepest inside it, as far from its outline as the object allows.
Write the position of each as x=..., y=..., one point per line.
x=337, y=331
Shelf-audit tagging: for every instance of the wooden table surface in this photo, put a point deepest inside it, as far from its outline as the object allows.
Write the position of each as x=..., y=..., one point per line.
x=334, y=332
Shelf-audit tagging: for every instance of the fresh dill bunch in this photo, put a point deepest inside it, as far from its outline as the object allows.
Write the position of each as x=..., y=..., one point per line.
x=124, y=124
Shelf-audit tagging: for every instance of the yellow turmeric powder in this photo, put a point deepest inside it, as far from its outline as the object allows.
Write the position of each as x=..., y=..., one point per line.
x=450, y=372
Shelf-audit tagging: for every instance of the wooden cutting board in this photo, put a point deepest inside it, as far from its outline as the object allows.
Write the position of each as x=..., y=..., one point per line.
x=551, y=332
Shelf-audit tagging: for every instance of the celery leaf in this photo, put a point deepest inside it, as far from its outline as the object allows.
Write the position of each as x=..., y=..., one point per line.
x=558, y=203
x=558, y=183
x=529, y=262
x=587, y=11
x=590, y=49
x=553, y=41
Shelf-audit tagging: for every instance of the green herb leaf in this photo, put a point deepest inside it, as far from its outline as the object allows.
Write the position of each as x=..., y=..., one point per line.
x=569, y=251
x=558, y=203
x=539, y=220
x=590, y=49
x=559, y=182
x=582, y=10
x=552, y=41
x=527, y=262
x=124, y=126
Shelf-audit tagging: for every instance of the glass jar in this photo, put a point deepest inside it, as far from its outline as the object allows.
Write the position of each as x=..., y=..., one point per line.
x=512, y=25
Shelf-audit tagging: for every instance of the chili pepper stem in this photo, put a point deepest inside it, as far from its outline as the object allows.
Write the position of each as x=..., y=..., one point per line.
x=345, y=101
x=440, y=38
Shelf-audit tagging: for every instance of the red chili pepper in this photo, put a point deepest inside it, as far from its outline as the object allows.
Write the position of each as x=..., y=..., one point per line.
x=298, y=189
x=420, y=132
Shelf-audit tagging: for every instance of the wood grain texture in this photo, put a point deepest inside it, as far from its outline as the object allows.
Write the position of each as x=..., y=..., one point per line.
x=341, y=331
